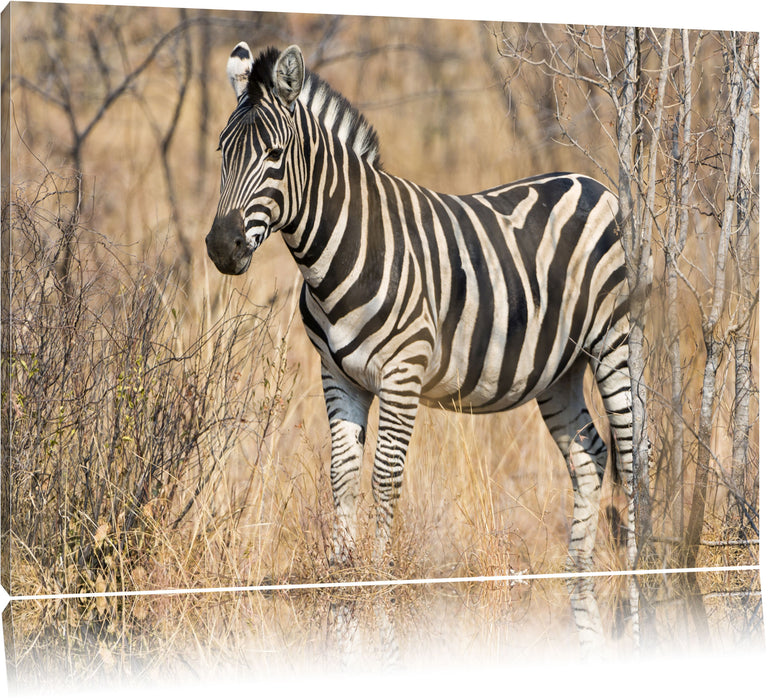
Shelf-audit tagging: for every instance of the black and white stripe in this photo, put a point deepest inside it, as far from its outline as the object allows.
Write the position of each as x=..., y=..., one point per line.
x=478, y=302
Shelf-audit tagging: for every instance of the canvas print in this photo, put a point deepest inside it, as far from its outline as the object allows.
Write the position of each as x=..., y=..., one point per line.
x=371, y=343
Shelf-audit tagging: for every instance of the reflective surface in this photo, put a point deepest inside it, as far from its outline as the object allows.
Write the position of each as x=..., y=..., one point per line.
x=152, y=641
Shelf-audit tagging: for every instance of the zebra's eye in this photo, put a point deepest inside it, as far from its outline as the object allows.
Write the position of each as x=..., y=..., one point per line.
x=274, y=154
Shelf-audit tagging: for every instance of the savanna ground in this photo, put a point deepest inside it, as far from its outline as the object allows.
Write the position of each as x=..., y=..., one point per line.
x=164, y=426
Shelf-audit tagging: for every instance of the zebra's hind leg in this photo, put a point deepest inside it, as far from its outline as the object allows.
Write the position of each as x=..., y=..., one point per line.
x=348, y=411
x=398, y=409
x=568, y=420
x=610, y=368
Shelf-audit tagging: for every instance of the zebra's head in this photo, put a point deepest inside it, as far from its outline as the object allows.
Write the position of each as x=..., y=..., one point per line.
x=260, y=162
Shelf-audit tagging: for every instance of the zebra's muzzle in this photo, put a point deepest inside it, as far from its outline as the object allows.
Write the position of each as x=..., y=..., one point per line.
x=227, y=245
x=257, y=234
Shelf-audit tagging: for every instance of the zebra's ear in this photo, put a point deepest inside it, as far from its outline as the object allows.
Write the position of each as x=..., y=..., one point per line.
x=238, y=67
x=289, y=75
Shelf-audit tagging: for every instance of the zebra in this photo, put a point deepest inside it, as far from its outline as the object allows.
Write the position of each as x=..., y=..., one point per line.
x=476, y=303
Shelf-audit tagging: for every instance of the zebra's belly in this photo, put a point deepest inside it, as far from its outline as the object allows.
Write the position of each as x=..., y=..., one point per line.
x=511, y=369
x=467, y=370
x=486, y=397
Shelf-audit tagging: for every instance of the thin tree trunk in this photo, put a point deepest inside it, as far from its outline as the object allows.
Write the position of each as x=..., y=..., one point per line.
x=676, y=480
x=744, y=386
x=206, y=40
x=639, y=280
x=186, y=254
x=676, y=238
x=700, y=487
x=735, y=528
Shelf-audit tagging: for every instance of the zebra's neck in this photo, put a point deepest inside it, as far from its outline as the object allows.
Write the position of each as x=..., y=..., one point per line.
x=339, y=146
x=340, y=182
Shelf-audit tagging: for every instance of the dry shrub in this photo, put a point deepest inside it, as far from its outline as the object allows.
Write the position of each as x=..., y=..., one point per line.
x=123, y=411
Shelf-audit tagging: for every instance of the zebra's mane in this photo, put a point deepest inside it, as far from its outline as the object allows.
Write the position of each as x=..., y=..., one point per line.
x=333, y=111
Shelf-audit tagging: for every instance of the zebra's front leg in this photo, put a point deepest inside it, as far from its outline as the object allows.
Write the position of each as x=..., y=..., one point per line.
x=348, y=411
x=398, y=409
